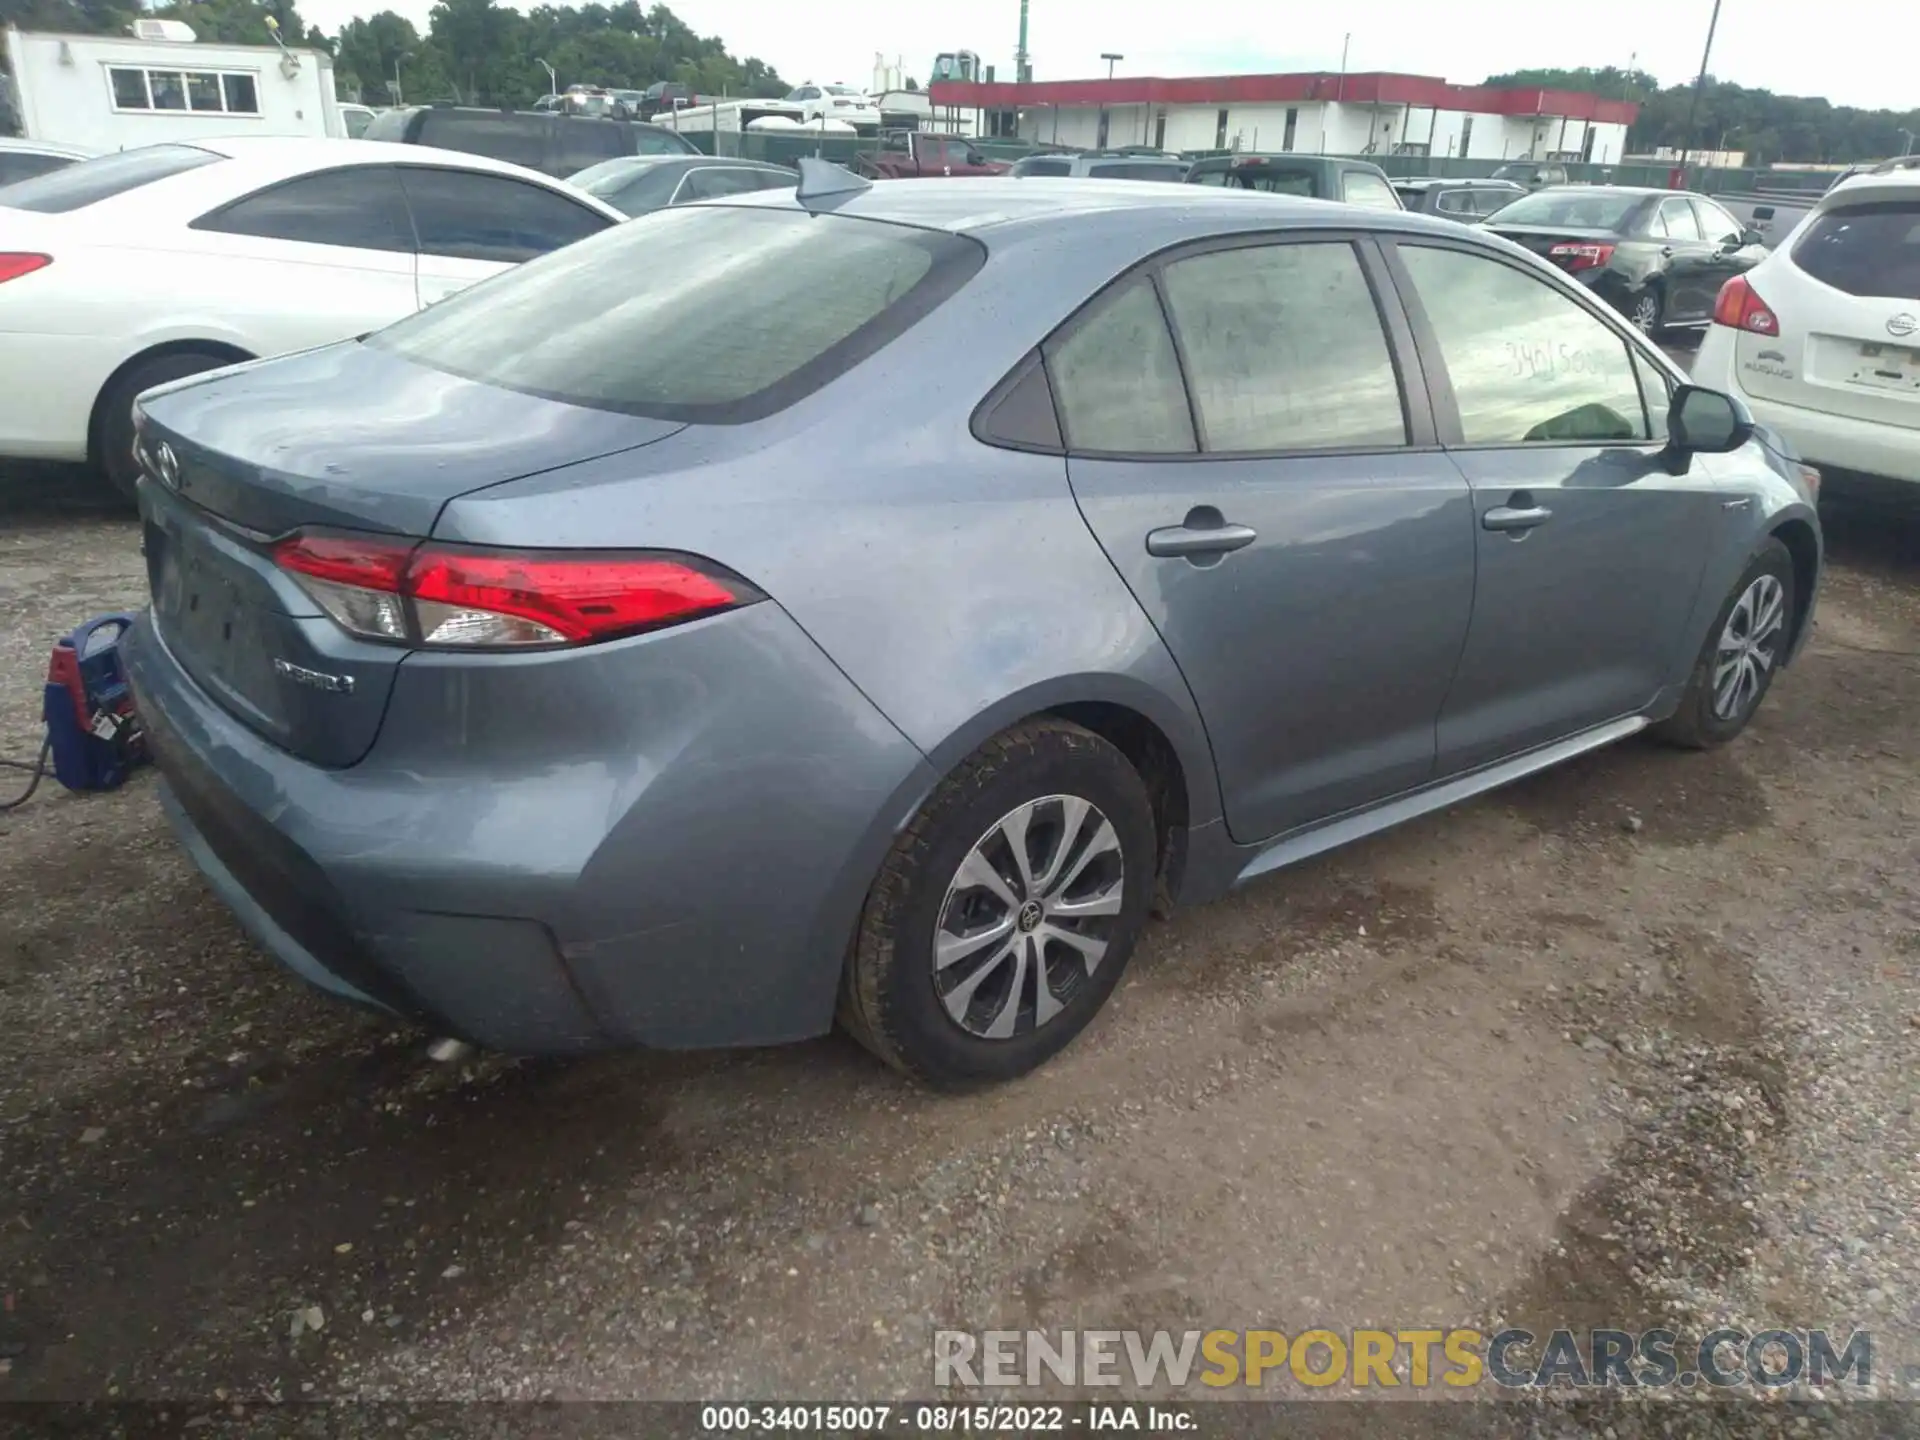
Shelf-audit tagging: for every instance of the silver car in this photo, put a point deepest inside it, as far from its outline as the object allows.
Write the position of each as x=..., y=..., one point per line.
x=875, y=601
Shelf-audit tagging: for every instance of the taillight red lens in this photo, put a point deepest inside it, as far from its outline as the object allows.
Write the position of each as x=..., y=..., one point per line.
x=1581, y=256
x=462, y=597
x=14, y=264
x=1741, y=307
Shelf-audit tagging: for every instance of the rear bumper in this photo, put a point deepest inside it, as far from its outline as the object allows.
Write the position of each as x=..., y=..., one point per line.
x=1830, y=443
x=690, y=880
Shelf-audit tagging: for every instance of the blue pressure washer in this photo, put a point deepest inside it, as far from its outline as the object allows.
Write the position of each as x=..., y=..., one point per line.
x=94, y=736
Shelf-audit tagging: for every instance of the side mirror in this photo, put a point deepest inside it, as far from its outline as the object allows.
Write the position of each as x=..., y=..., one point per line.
x=1751, y=236
x=1704, y=422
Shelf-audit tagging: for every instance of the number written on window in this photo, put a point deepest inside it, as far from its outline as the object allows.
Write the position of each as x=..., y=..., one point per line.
x=1528, y=364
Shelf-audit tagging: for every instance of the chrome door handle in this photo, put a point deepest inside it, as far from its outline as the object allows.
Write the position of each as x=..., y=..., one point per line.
x=1178, y=540
x=1508, y=518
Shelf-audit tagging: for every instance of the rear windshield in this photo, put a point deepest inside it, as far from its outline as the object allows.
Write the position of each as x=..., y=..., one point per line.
x=102, y=178
x=1136, y=170
x=1273, y=179
x=1577, y=209
x=1865, y=249
x=1043, y=167
x=713, y=315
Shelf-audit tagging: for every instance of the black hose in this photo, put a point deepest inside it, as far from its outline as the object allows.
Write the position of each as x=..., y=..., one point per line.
x=37, y=769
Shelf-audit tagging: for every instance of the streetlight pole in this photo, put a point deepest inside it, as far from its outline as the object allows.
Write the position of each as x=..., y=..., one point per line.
x=1906, y=149
x=1110, y=58
x=399, y=96
x=553, y=80
x=1699, y=84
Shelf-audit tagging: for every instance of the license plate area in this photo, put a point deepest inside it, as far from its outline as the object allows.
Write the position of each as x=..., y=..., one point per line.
x=1877, y=366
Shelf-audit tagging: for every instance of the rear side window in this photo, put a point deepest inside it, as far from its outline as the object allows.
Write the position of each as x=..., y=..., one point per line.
x=468, y=216
x=1117, y=382
x=16, y=165
x=102, y=178
x=580, y=143
x=633, y=189
x=1359, y=188
x=361, y=209
x=1528, y=365
x=1284, y=349
x=1133, y=170
x=1044, y=167
x=780, y=302
x=1677, y=215
x=1871, y=250
x=519, y=139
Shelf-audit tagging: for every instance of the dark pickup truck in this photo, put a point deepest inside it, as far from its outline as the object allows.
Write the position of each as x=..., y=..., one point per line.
x=917, y=154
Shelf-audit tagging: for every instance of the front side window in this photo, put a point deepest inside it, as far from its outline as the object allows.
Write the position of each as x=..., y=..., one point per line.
x=467, y=216
x=1117, y=381
x=359, y=209
x=1716, y=224
x=1359, y=188
x=1284, y=349
x=779, y=303
x=1528, y=364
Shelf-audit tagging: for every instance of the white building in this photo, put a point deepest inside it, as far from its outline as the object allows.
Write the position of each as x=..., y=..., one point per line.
x=102, y=92
x=1371, y=114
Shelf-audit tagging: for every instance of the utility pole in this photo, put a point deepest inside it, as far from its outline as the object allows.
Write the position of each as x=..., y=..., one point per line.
x=1699, y=84
x=1022, y=64
x=1110, y=58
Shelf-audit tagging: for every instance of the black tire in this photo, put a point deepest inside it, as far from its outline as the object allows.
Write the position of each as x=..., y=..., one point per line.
x=890, y=998
x=1648, y=320
x=1696, y=725
x=111, y=444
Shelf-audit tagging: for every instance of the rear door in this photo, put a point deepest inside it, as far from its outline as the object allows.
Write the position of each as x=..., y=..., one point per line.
x=1847, y=293
x=339, y=240
x=1589, y=551
x=471, y=225
x=1243, y=446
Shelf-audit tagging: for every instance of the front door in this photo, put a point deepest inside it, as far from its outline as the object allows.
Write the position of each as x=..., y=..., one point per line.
x=1691, y=263
x=1590, y=553
x=1310, y=572
x=1732, y=255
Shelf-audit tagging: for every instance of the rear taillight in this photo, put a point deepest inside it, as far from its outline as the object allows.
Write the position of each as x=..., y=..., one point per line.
x=460, y=597
x=1582, y=256
x=1741, y=307
x=14, y=264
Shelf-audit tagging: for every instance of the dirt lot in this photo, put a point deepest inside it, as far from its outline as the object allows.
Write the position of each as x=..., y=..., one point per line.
x=1632, y=1043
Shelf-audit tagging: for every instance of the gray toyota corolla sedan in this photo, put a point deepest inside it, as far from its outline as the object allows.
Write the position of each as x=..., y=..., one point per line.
x=876, y=601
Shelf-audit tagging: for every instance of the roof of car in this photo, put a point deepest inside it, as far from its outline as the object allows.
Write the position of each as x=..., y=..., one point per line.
x=1002, y=204
x=41, y=147
x=303, y=152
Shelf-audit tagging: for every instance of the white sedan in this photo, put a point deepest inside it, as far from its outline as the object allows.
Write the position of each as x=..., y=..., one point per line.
x=136, y=268
x=835, y=102
x=1822, y=338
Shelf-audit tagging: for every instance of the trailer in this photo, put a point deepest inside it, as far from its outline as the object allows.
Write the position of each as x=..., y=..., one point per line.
x=108, y=92
x=733, y=117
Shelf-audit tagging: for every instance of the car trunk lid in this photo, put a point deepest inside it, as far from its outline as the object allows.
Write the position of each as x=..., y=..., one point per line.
x=1541, y=239
x=344, y=438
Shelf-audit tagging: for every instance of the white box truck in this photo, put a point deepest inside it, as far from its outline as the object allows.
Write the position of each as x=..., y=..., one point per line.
x=109, y=92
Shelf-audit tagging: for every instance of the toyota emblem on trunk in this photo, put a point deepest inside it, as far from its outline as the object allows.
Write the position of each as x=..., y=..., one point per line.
x=1902, y=324
x=167, y=466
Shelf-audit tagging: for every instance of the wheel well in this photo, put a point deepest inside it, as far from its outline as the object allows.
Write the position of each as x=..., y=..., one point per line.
x=228, y=355
x=1153, y=757
x=1797, y=536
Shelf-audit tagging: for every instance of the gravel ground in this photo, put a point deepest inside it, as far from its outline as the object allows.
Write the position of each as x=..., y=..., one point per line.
x=1633, y=1043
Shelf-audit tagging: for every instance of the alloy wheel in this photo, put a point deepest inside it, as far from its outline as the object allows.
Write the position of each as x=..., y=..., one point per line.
x=1748, y=644
x=1028, y=916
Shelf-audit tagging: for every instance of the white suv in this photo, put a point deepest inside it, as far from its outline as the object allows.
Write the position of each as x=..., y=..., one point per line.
x=1822, y=338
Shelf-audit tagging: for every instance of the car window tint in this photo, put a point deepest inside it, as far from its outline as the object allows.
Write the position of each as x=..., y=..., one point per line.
x=17, y=165
x=77, y=186
x=1678, y=215
x=520, y=139
x=1284, y=349
x=1528, y=364
x=468, y=216
x=1117, y=380
x=359, y=208
x=1047, y=167
x=716, y=314
x=1869, y=250
x=1133, y=170
x=1716, y=224
x=1359, y=188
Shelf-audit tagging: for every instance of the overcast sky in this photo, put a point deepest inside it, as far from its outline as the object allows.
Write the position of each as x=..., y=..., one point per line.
x=1820, y=49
